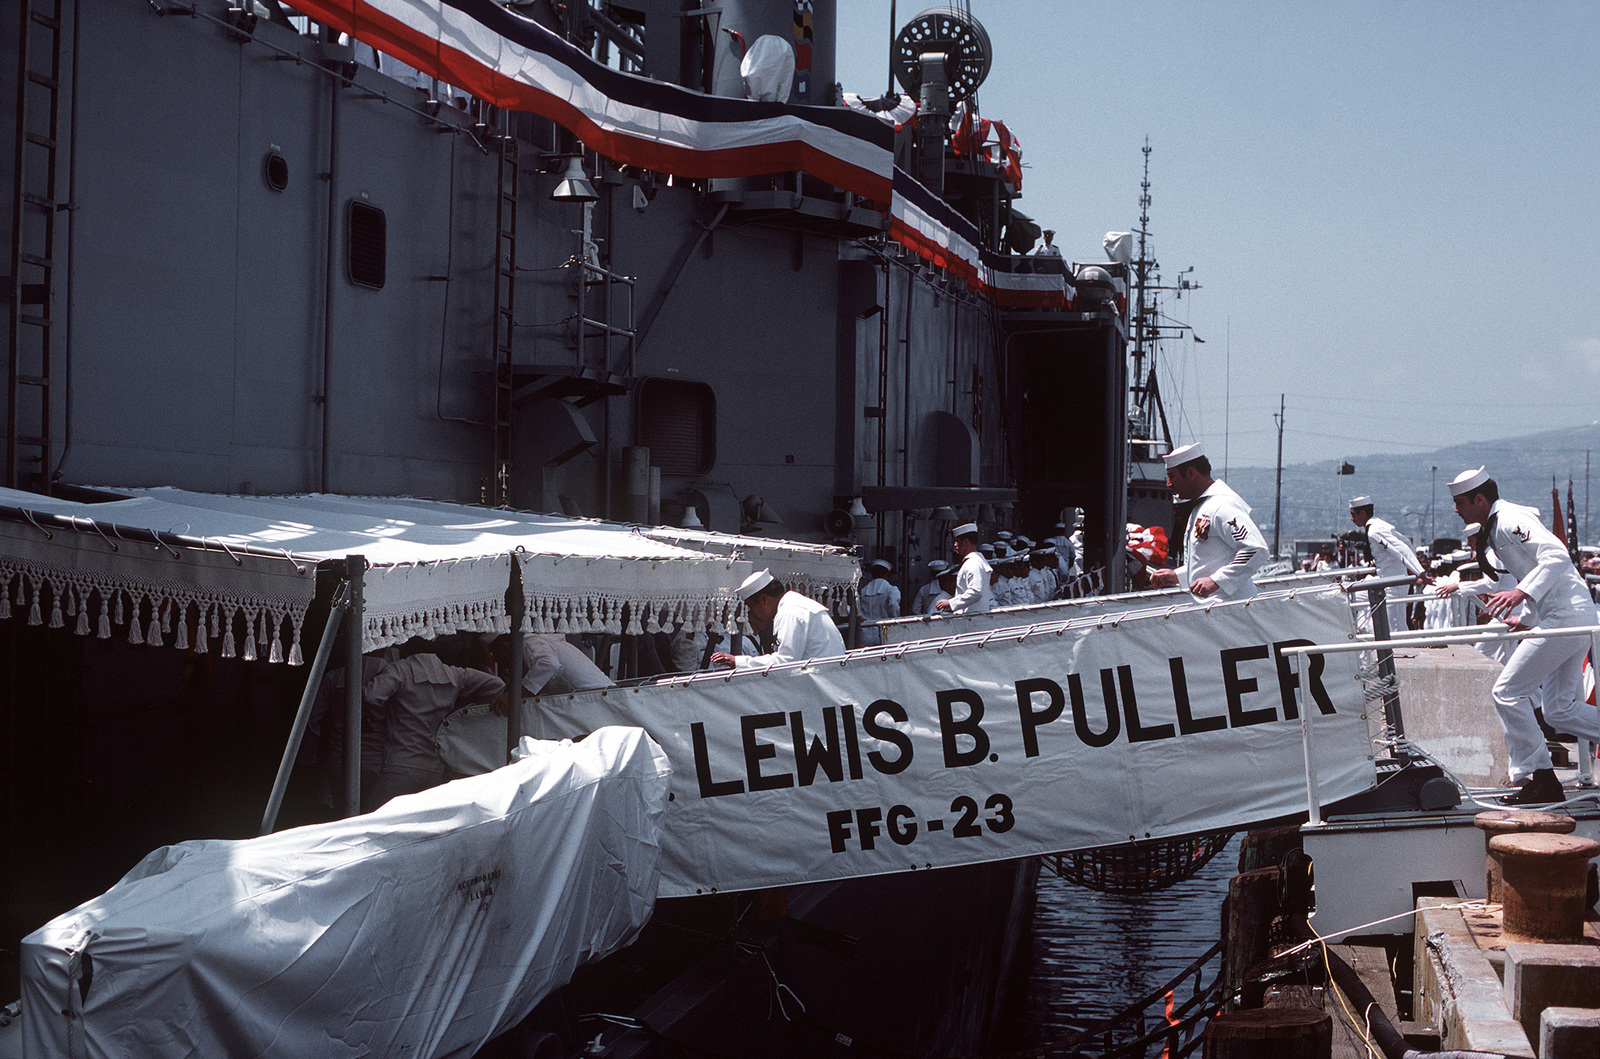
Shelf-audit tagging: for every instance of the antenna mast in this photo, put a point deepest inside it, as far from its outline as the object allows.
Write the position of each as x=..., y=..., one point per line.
x=1144, y=317
x=1148, y=411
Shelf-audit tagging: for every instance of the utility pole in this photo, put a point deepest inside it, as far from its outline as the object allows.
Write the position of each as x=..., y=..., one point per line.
x=1277, y=503
x=1433, y=494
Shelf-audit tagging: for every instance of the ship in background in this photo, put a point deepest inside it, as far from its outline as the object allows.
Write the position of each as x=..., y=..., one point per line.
x=266, y=249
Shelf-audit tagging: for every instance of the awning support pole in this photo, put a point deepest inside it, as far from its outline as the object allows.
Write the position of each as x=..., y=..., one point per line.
x=516, y=605
x=354, y=686
x=302, y=716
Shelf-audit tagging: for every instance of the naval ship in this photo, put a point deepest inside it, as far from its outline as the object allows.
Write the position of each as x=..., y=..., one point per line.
x=641, y=261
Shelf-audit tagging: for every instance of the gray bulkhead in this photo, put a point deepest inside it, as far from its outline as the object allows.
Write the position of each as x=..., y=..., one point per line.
x=216, y=341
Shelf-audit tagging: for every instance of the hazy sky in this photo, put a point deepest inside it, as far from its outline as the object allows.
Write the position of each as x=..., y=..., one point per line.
x=1393, y=208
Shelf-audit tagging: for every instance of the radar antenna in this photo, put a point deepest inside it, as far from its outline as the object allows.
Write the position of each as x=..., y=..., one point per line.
x=958, y=36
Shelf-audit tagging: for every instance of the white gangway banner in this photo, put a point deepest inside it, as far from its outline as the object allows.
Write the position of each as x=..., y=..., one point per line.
x=989, y=746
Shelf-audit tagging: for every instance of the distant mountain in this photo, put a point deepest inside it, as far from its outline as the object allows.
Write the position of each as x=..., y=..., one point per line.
x=1401, y=487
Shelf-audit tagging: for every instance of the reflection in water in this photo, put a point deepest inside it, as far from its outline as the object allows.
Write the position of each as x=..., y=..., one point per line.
x=1093, y=953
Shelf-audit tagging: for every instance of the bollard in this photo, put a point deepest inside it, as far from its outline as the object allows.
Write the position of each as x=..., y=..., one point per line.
x=1250, y=909
x=1543, y=884
x=1510, y=822
x=1269, y=1033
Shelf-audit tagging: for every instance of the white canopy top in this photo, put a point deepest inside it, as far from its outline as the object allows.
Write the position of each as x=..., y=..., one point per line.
x=821, y=571
x=199, y=565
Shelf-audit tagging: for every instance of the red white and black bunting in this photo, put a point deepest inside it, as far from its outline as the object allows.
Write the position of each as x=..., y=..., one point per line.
x=515, y=63
x=925, y=224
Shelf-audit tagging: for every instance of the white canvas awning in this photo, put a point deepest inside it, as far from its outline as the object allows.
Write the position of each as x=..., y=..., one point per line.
x=821, y=571
x=196, y=569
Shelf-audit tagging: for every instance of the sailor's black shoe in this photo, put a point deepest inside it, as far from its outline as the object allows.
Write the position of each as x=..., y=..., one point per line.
x=1539, y=788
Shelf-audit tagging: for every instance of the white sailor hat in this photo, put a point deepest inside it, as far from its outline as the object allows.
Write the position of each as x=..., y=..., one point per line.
x=1471, y=528
x=755, y=583
x=986, y=549
x=937, y=566
x=1003, y=535
x=963, y=529
x=1180, y=456
x=1360, y=501
x=1467, y=481
x=882, y=564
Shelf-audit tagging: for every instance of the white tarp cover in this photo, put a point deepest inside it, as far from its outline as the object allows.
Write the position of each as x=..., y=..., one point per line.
x=243, y=569
x=992, y=746
x=423, y=929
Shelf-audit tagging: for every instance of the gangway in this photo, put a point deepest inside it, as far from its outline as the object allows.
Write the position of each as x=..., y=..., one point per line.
x=920, y=627
x=993, y=744
x=1373, y=862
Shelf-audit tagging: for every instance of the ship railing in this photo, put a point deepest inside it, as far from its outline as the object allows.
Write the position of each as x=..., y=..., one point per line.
x=593, y=327
x=1177, y=1022
x=1469, y=637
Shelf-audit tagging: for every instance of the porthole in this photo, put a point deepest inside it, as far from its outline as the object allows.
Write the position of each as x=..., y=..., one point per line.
x=276, y=171
x=368, y=245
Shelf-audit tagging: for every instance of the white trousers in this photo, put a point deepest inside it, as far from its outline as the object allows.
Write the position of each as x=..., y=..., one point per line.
x=1549, y=672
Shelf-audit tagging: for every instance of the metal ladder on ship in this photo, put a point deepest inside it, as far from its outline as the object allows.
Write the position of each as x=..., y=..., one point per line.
x=31, y=282
x=505, y=284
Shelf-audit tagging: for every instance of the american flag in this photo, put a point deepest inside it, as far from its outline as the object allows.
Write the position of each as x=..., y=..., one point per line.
x=1572, y=524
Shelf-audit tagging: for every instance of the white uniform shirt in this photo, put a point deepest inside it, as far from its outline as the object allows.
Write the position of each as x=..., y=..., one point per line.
x=1540, y=563
x=1222, y=543
x=1000, y=590
x=973, y=595
x=551, y=665
x=880, y=600
x=802, y=628
x=1392, y=554
x=1042, y=584
x=418, y=692
x=926, y=596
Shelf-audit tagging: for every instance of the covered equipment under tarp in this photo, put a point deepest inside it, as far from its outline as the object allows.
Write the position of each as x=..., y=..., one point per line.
x=423, y=929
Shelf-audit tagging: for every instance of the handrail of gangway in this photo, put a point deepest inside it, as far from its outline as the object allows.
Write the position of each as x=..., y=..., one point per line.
x=1313, y=800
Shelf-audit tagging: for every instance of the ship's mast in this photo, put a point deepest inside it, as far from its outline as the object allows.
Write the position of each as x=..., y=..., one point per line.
x=1148, y=414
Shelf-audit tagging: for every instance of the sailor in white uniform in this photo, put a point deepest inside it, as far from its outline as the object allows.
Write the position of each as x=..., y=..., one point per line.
x=1043, y=584
x=799, y=626
x=1222, y=548
x=880, y=601
x=923, y=601
x=1550, y=585
x=1392, y=554
x=1066, y=551
x=972, y=594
